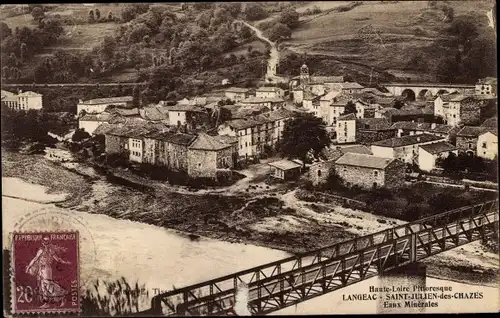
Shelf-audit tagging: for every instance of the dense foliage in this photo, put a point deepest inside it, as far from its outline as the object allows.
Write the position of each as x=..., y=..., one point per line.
x=302, y=135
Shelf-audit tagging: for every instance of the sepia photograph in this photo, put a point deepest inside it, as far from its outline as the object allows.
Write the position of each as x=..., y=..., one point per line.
x=249, y=158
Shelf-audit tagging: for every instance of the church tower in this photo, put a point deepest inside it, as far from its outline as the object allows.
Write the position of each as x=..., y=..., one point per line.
x=304, y=74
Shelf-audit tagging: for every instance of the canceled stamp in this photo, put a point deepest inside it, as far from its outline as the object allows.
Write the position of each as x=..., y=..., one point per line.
x=45, y=272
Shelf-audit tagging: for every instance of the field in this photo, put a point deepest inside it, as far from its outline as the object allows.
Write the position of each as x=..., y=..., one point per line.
x=406, y=26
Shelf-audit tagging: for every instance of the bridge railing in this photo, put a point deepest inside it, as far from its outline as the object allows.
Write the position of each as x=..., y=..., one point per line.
x=226, y=286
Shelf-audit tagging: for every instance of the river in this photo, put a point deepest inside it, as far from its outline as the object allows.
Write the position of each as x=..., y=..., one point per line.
x=161, y=258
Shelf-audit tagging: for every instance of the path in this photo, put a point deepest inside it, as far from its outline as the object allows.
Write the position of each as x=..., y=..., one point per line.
x=272, y=63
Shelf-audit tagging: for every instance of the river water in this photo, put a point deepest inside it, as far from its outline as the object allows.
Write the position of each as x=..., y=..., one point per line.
x=162, y=258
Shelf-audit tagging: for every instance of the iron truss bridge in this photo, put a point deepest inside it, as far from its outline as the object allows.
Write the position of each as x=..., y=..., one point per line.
x=289, y=281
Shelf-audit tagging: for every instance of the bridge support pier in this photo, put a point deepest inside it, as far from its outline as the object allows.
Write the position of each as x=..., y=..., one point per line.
x=401, y=281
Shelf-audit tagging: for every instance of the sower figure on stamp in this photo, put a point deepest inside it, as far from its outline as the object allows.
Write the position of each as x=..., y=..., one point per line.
x=41, y=267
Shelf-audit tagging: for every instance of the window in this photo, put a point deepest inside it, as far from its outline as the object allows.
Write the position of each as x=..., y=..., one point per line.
x=179, y=114
x=319, y=173
x=484, y=145
x=470, y=146
x=375, y=173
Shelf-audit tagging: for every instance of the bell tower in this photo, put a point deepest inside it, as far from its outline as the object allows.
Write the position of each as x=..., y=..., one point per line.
x=304, y=74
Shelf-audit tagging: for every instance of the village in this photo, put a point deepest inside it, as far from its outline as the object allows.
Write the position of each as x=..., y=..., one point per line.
x=376, y=137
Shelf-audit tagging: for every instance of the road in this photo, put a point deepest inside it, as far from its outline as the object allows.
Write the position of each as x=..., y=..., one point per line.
x=73, y=84
x=273, y=61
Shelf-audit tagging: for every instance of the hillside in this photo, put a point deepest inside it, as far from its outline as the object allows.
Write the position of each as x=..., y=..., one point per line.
x=408, y=30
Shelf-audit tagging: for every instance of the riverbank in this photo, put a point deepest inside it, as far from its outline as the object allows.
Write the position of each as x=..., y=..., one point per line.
x=271, y=218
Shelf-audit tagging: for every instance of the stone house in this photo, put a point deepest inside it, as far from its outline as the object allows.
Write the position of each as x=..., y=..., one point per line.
x=409, y=128
x=236, y=93
x=457, y=109
x=269, y=92
x=368, y=171
x=364, y=109
x=349, y=89
x=468, y=139
x=324, y=104
x=257, y=132
x=273, y=103
x=311, y=103
x=346, y=128
x=98, y=105
x=185, y=115
x=285, y=169
x=429, y=154
x=403, y=148
x=335, y=110
x=487, y=145
x=370, y=130
x=319, y=171
x=207, y=155
x=90, y=122
x=486, y=86
x=22, y=100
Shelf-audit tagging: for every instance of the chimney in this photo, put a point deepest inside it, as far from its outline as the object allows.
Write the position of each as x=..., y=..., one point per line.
x=19, y=91
x=80, y=101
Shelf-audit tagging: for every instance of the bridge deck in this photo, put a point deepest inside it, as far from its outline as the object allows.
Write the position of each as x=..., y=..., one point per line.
x=429, y=85
x=286, y=282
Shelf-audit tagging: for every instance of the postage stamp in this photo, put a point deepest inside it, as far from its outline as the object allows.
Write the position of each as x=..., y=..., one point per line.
x=45, y=272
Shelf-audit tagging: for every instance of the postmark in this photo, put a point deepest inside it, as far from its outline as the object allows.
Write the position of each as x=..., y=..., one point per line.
x=45, y=272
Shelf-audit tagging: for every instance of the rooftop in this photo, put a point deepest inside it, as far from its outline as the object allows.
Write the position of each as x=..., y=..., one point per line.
x=476, y=131
x=349, y=116
x=407, y=140
x=207, y=142
x=268, y=89
x=373, y=123
x=108, y=100
x=488, y=81
x=284, y=164
x=257, y=100
x=438, y=147
x=237, y=90
x=491, y=122
x=185, y=108
x=364, y=160
x=351, y=85
x=29, y=93
x=330, y=95
x=326, y=79
x=95, y=117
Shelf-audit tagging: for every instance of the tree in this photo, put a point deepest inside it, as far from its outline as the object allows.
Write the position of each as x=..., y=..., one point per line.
x=24, y=51
x=5, y=31
x=398, y=104
x=110, y=16
x=255, y=11
x=5, y=72
x=97, y=14
x=303, y=134
x=449, y=13
x=91, y=16
x=279, y=31
x=129, y=13
x=432, y=4
x=464, y=29
x=232, y=7
x=350, y=108
x=37, y=14
x=447, y=70
x=79, y=135
x=290, y=18
x=449, y=164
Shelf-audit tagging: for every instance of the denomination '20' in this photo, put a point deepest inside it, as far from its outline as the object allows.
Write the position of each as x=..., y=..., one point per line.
x=25, y=294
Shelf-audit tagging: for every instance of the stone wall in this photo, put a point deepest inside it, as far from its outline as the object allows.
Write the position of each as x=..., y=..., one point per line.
x=463, y=144
x=114, y=144
x=360, y=176
x=318, y=173
x=470, y=112
x=202, y=163
x=367, y=137
x=395, y=174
